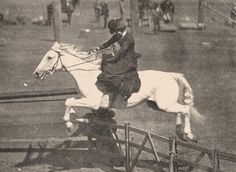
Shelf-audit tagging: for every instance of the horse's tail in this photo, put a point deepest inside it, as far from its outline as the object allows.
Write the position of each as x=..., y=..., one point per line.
x=196, y=115
x=186, y=96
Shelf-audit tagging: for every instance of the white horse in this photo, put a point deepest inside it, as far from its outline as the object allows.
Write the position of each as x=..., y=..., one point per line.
x=170, y=91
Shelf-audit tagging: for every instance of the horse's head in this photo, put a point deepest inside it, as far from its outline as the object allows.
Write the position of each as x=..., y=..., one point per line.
x=65, y=56
x=49, y=63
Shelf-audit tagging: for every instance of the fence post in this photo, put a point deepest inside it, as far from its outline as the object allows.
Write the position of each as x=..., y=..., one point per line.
x=57, y=20
x=127, y=147
x=200, y=11
x=216, y=165
x=172, y=153
x=133, y=14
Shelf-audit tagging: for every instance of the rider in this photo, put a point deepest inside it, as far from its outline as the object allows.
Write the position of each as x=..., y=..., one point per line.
x=119, y=71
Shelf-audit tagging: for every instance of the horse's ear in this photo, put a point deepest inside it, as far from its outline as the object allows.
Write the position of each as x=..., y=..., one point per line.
x=56, y=44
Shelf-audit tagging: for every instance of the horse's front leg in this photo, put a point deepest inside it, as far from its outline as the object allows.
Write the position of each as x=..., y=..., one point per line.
x=83, y=102
x=89, y=102
x=69, y=124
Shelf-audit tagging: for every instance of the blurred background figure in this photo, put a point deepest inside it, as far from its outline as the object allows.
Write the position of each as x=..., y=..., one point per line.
x=140, y=12
x=78, y=2
x=49, y=14
x=97, y=10
x=233, y=15
x=168, y=10
x=122, y=9
x=105, y=13
x=145, y=12
x=1, y=21
x=156, y=17
x=1, y=17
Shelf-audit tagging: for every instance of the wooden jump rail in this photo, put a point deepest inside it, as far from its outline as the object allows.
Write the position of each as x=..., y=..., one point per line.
x=174, y=161
x=131, y=161
x=36, y=96
x=33, y=94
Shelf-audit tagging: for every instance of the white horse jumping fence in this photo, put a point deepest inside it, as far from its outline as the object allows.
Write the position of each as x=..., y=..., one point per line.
x=130, y=143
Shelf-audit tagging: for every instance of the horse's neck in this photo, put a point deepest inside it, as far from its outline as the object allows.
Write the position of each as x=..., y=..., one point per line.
x=86, y=80
x=84, y=73
x=81, y=60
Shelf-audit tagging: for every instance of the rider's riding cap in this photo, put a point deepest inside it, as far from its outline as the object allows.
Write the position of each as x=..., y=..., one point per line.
x=112, y=25
x=115, y=26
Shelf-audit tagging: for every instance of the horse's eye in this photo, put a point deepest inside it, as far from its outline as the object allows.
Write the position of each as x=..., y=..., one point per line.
x=49, y=57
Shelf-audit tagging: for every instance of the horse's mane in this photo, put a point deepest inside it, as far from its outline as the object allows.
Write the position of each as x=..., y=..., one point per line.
x=70, y=48
x=76, y=51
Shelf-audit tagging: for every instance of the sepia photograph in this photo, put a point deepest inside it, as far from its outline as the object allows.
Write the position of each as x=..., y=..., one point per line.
x=117, y=85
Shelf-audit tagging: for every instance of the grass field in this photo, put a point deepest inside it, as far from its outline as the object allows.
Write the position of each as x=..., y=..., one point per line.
x=207, y=58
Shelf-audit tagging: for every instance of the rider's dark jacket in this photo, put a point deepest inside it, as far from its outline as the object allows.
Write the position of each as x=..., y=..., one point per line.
x=122, y=67
x=125, y=59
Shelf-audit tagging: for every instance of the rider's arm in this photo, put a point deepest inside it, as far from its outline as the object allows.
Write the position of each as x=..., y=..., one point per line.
x=111, y=41
x=124, y=48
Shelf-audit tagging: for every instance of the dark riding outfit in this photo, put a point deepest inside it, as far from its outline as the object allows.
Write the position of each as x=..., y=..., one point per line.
x=119, y=72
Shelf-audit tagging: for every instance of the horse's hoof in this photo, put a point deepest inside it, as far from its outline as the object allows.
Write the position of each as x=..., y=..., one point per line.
x=191, y=137
x=178, y=128
x=70, y=126
x=179, y=133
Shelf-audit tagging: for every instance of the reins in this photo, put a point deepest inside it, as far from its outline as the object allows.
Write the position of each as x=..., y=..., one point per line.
x=66, y=68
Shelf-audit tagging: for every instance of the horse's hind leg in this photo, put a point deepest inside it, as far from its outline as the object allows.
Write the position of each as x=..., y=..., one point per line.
x=178, y=127
x=187, y=133
x=184, y=110
x=187, y=129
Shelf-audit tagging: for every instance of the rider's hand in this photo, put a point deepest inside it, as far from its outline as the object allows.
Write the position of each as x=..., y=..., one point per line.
x=94, y=49
x=97, y=49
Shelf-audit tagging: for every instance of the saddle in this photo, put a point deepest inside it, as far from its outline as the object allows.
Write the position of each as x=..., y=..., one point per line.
x=118, y=95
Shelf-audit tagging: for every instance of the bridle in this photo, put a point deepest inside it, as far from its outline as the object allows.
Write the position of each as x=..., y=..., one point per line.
x=57, y=62
x=67, y=68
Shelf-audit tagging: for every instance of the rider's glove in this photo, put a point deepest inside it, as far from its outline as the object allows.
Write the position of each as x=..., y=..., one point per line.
x=97, y=48
x=93, y=49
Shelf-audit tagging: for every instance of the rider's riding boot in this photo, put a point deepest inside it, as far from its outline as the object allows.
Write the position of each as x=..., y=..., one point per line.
x=125, y=93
